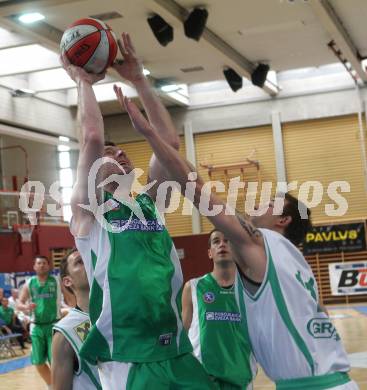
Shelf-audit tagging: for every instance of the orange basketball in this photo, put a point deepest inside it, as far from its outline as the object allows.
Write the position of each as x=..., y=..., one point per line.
x=90, y=44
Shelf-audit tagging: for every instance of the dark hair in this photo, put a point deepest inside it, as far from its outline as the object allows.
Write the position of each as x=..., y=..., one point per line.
x=210, y=237
x=42, y=258
x=297, y=229
x=64, y=267
x=109, y=143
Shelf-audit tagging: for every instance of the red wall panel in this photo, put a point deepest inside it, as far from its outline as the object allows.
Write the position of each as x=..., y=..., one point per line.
x=17, y=256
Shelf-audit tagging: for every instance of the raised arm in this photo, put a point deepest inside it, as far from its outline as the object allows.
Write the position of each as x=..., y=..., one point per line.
x=131, y=69
x=91, y=146
x=246, y=240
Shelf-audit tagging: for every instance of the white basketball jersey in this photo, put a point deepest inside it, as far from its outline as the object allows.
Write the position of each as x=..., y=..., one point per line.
x=290, y=336
x=75, y=327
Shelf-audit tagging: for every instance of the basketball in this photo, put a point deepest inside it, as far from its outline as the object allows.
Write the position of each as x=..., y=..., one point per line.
x=90, y=44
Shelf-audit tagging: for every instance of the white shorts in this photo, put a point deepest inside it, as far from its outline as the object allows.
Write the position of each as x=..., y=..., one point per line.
x=114, y=375
x=348, y=386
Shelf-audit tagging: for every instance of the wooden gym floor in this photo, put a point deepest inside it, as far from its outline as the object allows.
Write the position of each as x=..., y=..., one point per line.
x=350, y=321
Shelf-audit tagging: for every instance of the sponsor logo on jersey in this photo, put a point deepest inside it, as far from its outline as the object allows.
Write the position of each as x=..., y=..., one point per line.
x=222, y=316
x=322, y=328
x=111, y=203
x=82, y=330
x=209, y=297
x=165, y=339
x=119, y=225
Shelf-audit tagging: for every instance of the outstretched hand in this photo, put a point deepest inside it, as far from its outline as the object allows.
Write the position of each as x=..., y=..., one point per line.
x=131, y=69
x=138, y=120
x=77, y=73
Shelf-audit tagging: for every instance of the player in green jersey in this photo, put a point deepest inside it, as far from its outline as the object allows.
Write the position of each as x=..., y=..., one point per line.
x=133, y=268
x=8, y=316
x=211, y=314
x=41, y=295
x=69, y=370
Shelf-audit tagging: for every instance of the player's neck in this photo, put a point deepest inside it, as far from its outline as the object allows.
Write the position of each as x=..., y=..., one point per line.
x=224, y=276
x=82, y=300
x=42, y=278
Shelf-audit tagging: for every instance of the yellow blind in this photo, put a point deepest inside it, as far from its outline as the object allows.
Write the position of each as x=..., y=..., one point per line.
x=327, y=150
x=232, y=146
x=140, y=153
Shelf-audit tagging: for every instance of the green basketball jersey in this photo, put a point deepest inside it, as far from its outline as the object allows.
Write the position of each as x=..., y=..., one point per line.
x=6, y=314
x=217, y=335
x=47, y=297
x=136, y=281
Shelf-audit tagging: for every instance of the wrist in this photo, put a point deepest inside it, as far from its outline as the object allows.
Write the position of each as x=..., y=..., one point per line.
x=140, y=82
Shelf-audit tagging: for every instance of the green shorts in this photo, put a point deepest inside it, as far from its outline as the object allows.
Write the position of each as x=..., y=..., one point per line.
x=41, y=336
x=222, y=385
x=183, y=372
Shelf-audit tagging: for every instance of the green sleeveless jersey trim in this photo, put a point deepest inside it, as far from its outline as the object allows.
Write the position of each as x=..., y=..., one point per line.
x=322, y=382
x=217, y=334
x=136, y=282
x=47, y=297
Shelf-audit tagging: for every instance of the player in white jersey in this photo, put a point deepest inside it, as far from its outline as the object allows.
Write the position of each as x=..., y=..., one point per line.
x=69, y=370
x=291, y=337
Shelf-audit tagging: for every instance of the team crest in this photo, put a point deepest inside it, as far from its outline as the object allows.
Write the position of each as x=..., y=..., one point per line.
x=82, y=330
x=209, y=297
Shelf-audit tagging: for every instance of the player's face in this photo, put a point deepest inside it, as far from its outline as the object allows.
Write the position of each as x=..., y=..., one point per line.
x=41, y=267
x=5, y=302
x=120, y=157
x=267, y=220
x=77, y=275
x=219, y=250
x=14, y=293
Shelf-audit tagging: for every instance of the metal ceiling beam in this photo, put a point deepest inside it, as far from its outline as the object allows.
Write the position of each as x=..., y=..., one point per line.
x=233, y=58
x=332, y=24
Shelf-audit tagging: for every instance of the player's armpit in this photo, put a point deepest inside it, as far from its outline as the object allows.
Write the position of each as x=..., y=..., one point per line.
x=187, y=307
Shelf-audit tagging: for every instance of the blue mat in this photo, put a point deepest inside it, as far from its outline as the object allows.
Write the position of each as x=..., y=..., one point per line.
x=361, y=309
x=15, y=364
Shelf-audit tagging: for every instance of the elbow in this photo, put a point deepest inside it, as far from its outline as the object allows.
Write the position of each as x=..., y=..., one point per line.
x=174, y=141
x=93, y=136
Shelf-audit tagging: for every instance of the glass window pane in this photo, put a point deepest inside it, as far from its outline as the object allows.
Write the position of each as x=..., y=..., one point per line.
x=66, y=210
x=66, y=195
x=63, y=148
x=64, y=160
x=66, y=177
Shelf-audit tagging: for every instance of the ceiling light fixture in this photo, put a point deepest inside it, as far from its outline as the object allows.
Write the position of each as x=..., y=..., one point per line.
x=233, y=79
x=161, y=29
x=31, y=17
x=195, y=23
x=260, y=74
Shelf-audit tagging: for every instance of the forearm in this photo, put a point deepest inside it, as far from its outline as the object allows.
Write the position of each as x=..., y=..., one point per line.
x=177, y=167
x=89, y=113
x=157, y=113
x=24, y=307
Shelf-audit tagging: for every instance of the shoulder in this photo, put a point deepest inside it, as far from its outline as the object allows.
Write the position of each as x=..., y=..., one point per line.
x=72, y=319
